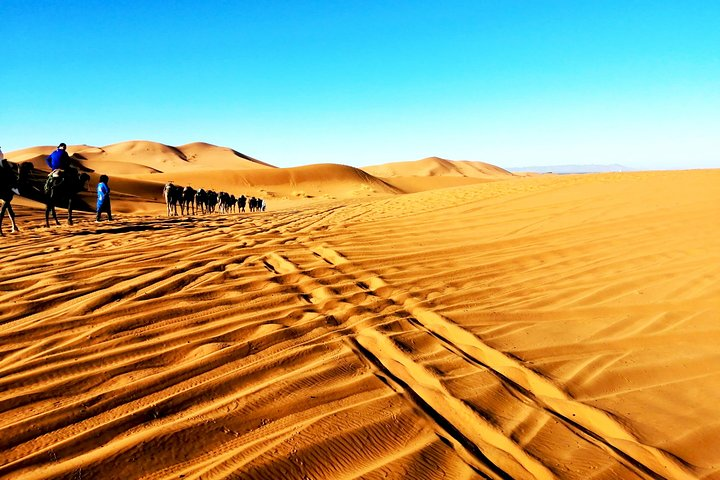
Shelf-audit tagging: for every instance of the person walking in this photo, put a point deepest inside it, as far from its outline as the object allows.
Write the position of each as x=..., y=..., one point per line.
x=103, y=198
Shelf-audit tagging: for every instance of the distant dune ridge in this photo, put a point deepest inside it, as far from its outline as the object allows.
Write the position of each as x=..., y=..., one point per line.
x=435, y=172
x=416, y=320
x=139, y=169
x=146, y=157
x=435, y=166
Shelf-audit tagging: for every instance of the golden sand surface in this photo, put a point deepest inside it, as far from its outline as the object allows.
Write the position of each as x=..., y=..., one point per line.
x=527, y=327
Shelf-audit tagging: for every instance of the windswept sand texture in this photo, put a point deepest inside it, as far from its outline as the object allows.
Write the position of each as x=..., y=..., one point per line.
x=539, y=327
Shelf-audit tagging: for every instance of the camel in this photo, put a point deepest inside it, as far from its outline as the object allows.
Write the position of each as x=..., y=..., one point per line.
x=8, y=188
x=201, y=200
x=223, y=202
x=212, y=200
x=172, y=194
x=187, y=201
x=61, y=190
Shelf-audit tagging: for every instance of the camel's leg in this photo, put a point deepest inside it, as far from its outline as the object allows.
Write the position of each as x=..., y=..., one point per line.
x=2, y=216
x=50, y=208
x=11, y=213
x=70, y=220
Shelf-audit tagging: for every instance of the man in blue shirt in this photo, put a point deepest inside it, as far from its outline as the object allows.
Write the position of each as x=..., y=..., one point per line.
x=59, y=159
x=103, y=198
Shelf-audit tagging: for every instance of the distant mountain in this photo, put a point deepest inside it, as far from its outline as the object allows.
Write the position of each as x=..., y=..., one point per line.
x=571, y=169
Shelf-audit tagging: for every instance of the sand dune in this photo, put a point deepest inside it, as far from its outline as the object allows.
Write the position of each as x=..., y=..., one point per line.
x=434, y=172
x=138, y=171
x=327, y=181
x=166, y=158
x=436, y=167
x=135, y=157
x=540, y=327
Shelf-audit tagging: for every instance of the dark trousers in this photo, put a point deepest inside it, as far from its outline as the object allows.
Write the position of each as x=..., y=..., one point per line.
x=104, y=207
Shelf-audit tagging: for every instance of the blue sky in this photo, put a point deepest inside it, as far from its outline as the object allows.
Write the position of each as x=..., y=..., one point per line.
x=509, y=82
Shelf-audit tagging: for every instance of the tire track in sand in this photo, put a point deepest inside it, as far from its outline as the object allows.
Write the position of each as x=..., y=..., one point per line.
x=108, y=387
x=478, y=443
x=589, y=423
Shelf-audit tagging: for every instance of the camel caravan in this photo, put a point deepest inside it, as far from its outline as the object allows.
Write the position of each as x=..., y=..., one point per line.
x=203, y=201
x=61, y=188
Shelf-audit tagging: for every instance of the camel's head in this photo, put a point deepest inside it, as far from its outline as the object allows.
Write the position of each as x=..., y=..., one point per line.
x=84, y=179
x=24, y=171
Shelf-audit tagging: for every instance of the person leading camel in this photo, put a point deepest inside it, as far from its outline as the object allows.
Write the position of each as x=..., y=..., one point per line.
x=103, y=198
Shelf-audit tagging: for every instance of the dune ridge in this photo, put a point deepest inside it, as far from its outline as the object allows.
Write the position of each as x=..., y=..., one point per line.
x=434, y=172
x=539, y=327
x=138, y=171
x=141, y=156
x=436, y=166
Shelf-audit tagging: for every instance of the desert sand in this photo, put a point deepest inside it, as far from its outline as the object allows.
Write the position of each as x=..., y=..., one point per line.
x=416, y=320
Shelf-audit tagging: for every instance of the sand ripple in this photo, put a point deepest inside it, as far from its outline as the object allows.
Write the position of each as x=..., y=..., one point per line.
x=559, y=327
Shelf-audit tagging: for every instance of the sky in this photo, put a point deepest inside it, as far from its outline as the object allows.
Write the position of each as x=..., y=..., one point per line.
x=362, y=82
